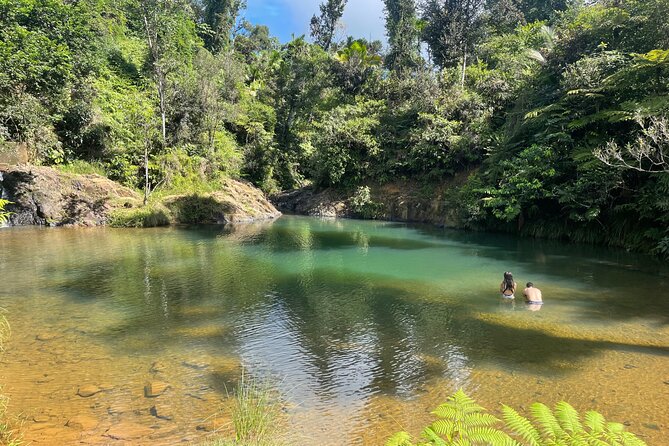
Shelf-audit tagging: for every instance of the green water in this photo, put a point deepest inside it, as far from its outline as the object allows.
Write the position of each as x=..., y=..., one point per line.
x=351, y=321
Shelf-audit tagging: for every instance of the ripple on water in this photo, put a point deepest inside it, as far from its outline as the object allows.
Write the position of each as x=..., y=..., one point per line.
x=363, y=328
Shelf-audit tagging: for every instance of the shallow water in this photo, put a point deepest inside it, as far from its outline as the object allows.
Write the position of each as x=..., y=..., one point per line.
x=362, y=328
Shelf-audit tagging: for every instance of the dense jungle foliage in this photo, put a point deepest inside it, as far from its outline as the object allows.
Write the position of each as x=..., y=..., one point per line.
x=553, y=110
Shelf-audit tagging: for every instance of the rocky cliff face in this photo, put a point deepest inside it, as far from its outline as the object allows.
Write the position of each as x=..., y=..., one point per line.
x=47, y=197
x=401, y=201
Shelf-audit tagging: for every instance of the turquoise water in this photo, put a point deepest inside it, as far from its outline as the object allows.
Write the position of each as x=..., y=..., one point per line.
x=362, y=327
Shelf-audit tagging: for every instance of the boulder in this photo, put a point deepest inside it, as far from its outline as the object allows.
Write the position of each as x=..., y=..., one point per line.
x=155, y=388
x=47, y=197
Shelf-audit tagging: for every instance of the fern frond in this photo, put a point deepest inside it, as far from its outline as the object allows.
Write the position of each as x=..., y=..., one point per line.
x=479, y=419
x=568, y=417
x=490, y=436
x=521, y=426
x=594, y=421
x=434, y=439
x=465, y=403
x=616, y=428
x=629, y=439
x=400, y=439
x=446, y=411
x=550, y=426
x=444, y=427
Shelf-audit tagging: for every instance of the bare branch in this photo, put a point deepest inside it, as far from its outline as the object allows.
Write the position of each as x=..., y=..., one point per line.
x=649, y=152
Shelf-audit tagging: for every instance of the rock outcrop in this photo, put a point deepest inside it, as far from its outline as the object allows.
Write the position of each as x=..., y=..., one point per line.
x=47, y=197
x=44, y=196
x=400, y=201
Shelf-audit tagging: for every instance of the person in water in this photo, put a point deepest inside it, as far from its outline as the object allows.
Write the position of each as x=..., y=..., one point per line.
x=532, y=295
x=508, y=286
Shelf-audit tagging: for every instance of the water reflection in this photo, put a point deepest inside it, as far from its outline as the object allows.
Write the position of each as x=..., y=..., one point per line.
x=338, y=314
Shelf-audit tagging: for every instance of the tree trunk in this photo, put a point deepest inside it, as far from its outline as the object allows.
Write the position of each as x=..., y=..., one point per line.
x=464, y=67
x=146, y=172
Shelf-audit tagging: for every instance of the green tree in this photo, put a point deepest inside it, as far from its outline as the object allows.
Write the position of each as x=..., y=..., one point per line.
x=323, y=27
x=171, y=40
x=402, y=28
x=452, y=30
x=222, y=19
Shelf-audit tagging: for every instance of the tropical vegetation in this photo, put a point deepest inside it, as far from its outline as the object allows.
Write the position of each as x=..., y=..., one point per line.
x=552, y=114
x=461, y=421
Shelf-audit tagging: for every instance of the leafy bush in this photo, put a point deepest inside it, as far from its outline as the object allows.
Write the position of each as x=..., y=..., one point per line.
x=463, y=422
x=363, y=205
x=4, y=216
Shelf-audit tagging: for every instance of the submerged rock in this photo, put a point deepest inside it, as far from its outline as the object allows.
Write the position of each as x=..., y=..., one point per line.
x=158, y=367
x=82, y=423
x=88, y=390
x=47, y=336
x=126, y=430
x=155, y=388
x=161, y=413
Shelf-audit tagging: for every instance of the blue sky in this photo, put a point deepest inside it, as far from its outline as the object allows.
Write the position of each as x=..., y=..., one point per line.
x=362, y=18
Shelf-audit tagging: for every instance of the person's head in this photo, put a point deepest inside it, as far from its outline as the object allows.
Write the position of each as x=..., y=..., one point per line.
x=508, y=280
x=530, y=284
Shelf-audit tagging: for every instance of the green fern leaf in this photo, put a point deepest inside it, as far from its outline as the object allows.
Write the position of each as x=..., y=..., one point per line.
x=400, y=439
x=568, y=417
x=490, y=436
x=465, y=403
x=444, y=427
x=479, y=419
x=629, y=439
x=446, y=411
x=549, y=424
x=434, y=439
x=616, y=428
x=521, y=426
x=594, y=421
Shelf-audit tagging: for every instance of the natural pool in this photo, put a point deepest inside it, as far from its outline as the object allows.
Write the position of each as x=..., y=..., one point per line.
x=363, y=327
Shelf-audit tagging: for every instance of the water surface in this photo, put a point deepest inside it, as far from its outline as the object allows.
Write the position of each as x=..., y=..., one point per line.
x=362, y=328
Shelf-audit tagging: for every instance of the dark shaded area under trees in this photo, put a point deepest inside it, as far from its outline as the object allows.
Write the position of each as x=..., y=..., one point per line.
x=556, y=109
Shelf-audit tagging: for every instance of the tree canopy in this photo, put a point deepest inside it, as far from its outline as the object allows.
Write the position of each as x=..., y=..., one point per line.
x=551, y=115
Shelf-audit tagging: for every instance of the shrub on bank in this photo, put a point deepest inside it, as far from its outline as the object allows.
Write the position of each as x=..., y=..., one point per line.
x=150, y=216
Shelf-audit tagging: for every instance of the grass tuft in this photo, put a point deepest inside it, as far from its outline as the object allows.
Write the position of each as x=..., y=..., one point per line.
x=256, y=413
x=81, y=167
x=150, y=216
